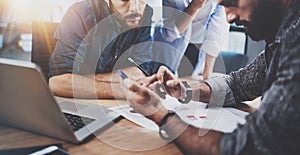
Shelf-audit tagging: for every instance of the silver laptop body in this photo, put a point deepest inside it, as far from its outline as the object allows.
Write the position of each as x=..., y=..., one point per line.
x=27, y=103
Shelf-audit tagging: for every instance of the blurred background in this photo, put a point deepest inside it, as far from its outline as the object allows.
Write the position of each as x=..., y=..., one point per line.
x=16, y=17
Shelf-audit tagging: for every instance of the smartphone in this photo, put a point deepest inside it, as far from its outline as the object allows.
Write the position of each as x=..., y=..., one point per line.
x=121, y=74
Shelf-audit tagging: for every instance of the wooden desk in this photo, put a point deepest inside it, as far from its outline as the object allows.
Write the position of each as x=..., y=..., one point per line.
x=123, y=137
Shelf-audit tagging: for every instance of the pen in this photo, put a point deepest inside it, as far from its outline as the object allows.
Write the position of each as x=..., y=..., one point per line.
x=138, y=66
x=121, y=74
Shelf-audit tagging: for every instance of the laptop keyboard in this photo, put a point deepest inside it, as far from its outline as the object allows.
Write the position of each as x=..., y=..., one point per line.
x=77, y=122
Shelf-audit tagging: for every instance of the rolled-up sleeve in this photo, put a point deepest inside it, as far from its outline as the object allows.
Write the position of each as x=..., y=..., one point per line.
x=222, y=94
x=243, y=85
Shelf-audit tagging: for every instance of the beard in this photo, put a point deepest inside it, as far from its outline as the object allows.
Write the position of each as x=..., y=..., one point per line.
x=129, y=21
x=132, y=20
x=132, y=24
x=265, y=18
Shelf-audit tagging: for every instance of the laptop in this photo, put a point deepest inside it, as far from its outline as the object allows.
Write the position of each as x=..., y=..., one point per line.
x=27, y=103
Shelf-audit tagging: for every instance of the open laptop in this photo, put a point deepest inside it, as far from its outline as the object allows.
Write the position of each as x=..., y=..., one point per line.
x=27, y=103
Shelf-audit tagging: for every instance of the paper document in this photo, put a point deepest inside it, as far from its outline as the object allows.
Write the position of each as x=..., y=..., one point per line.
x=193, y=113
x=137, y=118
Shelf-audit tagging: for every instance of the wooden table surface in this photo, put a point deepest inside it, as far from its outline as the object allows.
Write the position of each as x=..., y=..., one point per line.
x=122, y=137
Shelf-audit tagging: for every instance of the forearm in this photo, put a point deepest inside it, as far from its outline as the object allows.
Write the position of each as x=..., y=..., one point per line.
x=190, y=139
x=209, y=65
x=78, y=86
x=132, y=72
x=186, y=17
x=201, y=92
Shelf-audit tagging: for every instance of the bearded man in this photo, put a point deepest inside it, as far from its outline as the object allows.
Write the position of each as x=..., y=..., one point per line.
x=274, y=128
x=94, y=38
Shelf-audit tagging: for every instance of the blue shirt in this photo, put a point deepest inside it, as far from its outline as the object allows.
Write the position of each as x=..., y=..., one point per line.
x=90, y=41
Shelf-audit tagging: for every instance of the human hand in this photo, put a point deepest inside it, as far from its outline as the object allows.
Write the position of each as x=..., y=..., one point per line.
x=146, y=81
x=173, y=86
x=152, y=83
x=143, y=100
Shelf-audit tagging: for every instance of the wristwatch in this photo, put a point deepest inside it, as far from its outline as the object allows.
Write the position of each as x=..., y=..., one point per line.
x=188, y=93
x=162, y=123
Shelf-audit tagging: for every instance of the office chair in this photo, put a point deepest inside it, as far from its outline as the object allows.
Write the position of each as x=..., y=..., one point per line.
x=229, y=61
x=43, y=44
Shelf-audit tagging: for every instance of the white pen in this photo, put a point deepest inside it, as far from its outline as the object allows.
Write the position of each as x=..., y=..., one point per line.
x=138, y=66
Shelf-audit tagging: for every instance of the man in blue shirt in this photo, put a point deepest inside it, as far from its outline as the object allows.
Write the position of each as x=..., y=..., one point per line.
x=94, y=38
